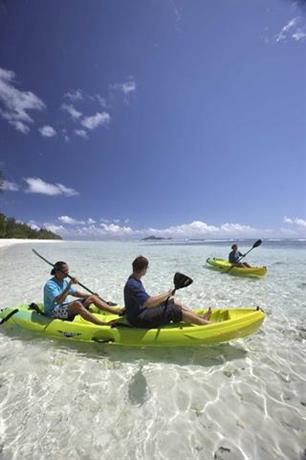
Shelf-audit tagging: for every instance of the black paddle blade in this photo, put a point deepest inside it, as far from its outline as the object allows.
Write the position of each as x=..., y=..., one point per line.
x=181, y=281
x=257, y=243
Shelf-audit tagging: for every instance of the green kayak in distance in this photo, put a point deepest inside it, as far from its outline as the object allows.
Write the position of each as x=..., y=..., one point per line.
x=225, y=266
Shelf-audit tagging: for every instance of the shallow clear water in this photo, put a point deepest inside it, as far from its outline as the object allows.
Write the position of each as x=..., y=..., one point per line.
x=241, y=400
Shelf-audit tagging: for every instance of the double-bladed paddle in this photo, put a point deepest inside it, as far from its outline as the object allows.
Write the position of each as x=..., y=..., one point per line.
x=6, y=318
x=255, y=245
x=111, y=304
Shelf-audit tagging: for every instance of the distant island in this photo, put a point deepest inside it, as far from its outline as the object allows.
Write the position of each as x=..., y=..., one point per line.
x=155, y=238
x=10, y=228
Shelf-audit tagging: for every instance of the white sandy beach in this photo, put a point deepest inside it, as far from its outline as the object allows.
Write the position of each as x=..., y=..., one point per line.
x=5, y=242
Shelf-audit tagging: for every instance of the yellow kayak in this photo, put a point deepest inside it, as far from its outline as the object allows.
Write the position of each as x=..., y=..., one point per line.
x=227, y=324
x=225, y=266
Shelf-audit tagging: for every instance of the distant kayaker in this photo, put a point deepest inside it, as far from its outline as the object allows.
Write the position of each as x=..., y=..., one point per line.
x=58, y=288
x=234, y=257
x=145, y=311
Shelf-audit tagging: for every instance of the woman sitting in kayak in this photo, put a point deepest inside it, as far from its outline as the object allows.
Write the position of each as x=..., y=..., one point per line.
x=145, y=311
x=234, y=257
x=58, y=288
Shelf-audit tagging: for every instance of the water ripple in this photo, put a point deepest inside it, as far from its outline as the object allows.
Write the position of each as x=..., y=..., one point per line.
x=240, y=400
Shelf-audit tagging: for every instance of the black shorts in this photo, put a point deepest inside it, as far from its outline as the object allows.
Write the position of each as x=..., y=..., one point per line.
x=155, y=317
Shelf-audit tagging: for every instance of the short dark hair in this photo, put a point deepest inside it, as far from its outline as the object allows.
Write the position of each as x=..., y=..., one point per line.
x=234, y=246
x=58, y=266
x=140, y=263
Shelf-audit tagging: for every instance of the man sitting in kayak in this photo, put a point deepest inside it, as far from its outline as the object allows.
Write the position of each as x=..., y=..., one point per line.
x=58, y=288
x=234, y=257
x=145, y=311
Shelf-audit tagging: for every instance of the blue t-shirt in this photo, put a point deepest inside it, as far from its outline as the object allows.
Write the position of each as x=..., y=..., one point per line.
x=233, y=257
x=52, y=289
x=134, y=297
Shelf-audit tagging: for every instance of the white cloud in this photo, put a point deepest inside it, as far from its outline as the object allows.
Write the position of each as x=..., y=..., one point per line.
x=66, y=137
x=91, y=231
x=114, y=229
x=195, y=228
x=101, y=100
x=74, y=95
x=92, y=122
x=126, y=87
x=292, y=30
x=81, y=133
x=37, y=185
x=86, y=229
x=24, y=129
x=70, y=221
x=177, y=14
x=108, y=229
x=129, y=87
x=75, y=114
x=299, y=35
x=33, y=225
x=296, y=221
x=237, y=229
x=9, y=186
x=47, y=131
x=16, y=103
x=200, y=229
x=59, y=229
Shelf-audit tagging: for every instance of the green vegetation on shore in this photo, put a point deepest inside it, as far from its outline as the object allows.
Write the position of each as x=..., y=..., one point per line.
x=10, y=228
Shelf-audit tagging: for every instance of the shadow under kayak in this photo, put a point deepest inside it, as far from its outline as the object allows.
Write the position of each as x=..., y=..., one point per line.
x=226, y=267
x=228, y=324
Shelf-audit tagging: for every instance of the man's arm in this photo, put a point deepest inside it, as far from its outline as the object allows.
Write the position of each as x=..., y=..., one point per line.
x=154, y=301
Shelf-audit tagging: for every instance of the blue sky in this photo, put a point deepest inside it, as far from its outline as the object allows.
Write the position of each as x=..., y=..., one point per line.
x=178, y=118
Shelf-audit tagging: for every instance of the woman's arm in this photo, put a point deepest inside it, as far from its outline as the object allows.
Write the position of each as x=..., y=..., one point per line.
x=81, y=295
x=61, y=297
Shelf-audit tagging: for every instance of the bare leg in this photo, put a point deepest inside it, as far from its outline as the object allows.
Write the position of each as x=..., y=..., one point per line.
x=76, y=308
x=101, y=305
x=242, y=265
x=193, y=318
x=185, y=307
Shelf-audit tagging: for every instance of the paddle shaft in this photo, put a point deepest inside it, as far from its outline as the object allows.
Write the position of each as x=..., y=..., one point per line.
x=9, y=316
x=70, y=277
x=243, y=255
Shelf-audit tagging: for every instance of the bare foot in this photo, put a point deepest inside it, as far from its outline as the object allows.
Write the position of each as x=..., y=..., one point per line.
x=207, y=315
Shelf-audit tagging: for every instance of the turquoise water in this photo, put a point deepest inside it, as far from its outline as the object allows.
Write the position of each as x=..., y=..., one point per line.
x=241, y=400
